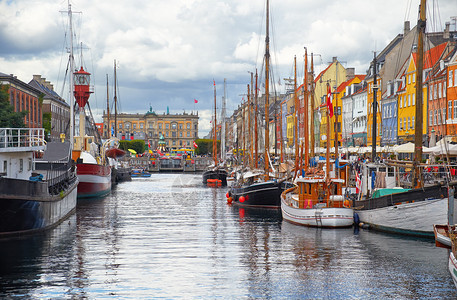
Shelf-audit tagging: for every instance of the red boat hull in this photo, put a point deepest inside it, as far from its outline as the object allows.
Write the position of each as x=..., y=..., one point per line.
x=94, y=180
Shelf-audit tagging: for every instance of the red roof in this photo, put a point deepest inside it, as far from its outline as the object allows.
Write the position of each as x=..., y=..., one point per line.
x=432, y=55
x=343, y=86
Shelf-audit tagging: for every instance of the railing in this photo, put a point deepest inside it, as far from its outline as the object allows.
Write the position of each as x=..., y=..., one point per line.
x=21, y=137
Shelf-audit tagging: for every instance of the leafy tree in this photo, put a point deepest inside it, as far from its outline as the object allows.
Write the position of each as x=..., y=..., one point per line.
x=205, y=146
x=137, y=145
x=8, y=117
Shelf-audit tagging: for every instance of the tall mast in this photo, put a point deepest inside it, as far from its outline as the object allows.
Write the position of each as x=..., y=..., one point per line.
x=72, y=88
x=305, y=104
x=224, y=98
x=267, y=93
x=251, y=128
x=108, y=127
x=214, y=128
x=375, y=110
x=255, y=124
x=327, y=156
x=115, y=100
x=251, y=154
x=312, y=108
x=421, y=23
x=296, y=110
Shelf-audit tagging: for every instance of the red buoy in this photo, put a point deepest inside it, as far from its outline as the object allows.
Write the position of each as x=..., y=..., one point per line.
x=241, y=199
x=227, y=195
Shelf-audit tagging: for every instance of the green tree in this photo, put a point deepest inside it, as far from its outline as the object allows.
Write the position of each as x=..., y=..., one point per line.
x=205, y=146
x=137, y=145
x=8, y=117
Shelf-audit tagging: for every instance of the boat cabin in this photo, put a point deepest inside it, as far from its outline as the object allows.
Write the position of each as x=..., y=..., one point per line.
x=313, y=191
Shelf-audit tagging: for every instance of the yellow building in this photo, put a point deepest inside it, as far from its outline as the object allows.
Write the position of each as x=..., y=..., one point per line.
x=407, y=103
x=334, y=75
x=179, y=130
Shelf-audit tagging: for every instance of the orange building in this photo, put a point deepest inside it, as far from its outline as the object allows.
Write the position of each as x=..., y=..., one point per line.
x=451, y=93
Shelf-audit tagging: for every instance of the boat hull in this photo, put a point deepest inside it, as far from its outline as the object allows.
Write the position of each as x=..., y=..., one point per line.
x=262, y=194
x=94, y=180
x=219, y=174
x=28, y=214
x=331, y=217
x=415, y=219
x=453, y=267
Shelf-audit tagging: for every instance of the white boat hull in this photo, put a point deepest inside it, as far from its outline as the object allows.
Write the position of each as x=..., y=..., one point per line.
x=453, y=267
x=318, y=217
x=409, y=218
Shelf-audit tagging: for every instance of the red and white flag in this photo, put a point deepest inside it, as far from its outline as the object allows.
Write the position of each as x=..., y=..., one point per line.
x=195, y=145
x=358, y=183
x=329, y=101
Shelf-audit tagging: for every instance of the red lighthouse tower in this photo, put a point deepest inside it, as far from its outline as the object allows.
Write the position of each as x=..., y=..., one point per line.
x=82, y=87
x=82, y=93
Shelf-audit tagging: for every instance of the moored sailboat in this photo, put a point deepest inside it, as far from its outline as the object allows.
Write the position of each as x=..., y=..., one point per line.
x=316, y=200
x=412, y=212
x=216, y=175
x=257, y=189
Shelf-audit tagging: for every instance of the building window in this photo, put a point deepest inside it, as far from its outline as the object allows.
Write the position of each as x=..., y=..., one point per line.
x=134, y=126
x=127, y=126
x=450, y=78
x=167, y=126
x=409, y=100
x=141, y=125
x=455, y=108
x=414, y=99
x=449, y=109
x=188, y=125
x=21, y=165
x=180, y=134
x=180, y=126
x=173, y=126
x=444, y=116
x=188, y=134
x=160, y=125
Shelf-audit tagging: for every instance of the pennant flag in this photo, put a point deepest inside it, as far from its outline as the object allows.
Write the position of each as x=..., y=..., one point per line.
x=195, y=101
x=149, y=144
x=214, y=82
x=329, y=101
x=358, y=182
x=195, y=145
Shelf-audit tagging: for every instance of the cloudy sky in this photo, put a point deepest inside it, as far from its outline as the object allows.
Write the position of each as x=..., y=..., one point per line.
x=170, y=51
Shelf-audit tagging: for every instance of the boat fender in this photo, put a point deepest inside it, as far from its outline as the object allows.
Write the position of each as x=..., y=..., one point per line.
x=241, y=199
x=229, y=200
x=356, y=219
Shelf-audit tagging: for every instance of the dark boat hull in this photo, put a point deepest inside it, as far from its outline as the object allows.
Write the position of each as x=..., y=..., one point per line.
x=263, y=194
x=219, y=174
x=32, y=208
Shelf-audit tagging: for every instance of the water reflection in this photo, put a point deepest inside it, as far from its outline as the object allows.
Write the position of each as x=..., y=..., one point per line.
x=167, y=236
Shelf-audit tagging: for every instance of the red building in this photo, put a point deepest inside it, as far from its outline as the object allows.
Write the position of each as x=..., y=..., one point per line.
x=24, y=97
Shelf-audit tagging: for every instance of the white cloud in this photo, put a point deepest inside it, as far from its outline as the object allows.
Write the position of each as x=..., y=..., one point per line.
x=170, y=51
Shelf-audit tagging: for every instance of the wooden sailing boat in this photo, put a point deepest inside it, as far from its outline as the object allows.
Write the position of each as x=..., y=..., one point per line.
x=316, y=200
x=256, y=189
x=415, y=211
x=120, y=171
x=216, y=175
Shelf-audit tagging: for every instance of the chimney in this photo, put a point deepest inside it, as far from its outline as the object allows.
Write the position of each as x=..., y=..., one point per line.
x=446, y=31
x=334, y=59
x=350, y=73
x=406, y=28
x=37, y=78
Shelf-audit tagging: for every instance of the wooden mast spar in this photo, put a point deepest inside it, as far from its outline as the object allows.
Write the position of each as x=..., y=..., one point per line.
x=214, y=129
x=305, y=104
x=417, y=182
x=267, y=94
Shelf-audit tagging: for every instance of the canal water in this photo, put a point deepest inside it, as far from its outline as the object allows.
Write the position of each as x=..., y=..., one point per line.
x=169, y=237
